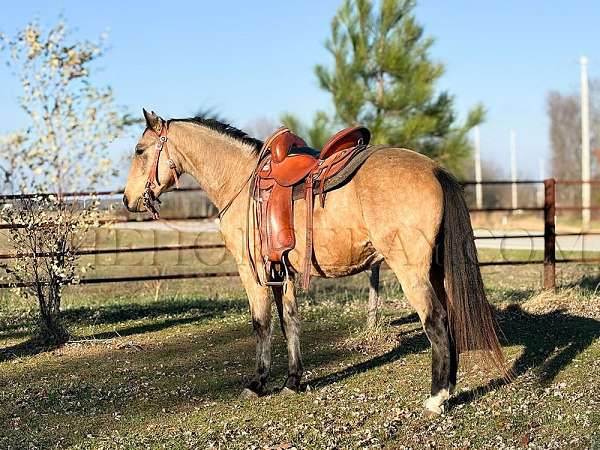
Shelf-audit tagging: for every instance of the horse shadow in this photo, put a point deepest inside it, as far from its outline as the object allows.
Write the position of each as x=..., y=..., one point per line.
x=550, y=342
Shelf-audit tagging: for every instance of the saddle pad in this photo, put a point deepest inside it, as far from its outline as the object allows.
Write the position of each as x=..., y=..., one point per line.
x=344, y=175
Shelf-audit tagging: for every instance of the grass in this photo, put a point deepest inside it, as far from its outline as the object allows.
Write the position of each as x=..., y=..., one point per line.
x=164, y=371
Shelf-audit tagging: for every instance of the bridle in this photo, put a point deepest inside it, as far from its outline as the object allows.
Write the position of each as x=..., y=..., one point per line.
x=149, y=200
x=148, y=197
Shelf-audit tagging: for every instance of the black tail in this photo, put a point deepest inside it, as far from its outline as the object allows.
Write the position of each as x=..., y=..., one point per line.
x=469, y=313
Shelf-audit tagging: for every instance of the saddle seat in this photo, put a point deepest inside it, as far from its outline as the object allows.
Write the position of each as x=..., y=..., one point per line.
x=292, y=160
x=285, y=164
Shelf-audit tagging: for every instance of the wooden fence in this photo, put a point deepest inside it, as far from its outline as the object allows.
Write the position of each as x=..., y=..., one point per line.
x=548, y=209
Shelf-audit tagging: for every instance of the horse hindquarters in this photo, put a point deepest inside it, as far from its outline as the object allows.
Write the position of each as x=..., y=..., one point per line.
x=403, y=204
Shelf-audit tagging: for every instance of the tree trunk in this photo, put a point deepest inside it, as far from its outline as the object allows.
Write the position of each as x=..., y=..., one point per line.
x=51, y=329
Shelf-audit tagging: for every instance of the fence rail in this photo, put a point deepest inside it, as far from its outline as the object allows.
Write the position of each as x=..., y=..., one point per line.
x=105, y=251
x=549, y=210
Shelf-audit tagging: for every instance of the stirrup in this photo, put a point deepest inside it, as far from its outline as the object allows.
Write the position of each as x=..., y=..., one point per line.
x=278, y=277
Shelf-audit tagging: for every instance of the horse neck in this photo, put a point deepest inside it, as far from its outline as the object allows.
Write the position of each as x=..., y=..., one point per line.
x=219, y=163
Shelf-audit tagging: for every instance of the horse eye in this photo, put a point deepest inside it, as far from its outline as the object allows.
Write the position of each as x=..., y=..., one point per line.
x=139, y=150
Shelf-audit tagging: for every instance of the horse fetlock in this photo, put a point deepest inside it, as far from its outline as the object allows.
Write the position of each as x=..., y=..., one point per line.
x=436, y=404
x=292, y=383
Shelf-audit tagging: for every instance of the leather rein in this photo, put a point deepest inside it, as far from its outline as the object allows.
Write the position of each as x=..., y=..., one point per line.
x=148, y=197
x=252, y=175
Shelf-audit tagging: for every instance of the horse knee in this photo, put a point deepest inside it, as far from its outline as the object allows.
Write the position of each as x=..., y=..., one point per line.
x=261, y=327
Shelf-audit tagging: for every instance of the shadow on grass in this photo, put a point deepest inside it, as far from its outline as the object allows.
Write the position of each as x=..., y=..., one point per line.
x=16, y=332
x=551, y=341
x=192, y=310
x=116, y=313
x=132, y=311
x=404, y=320
x=140, y=329
x=173, y=373
x=32, y=347
x=412, y=344
x=588, y=283
x=219, y=356
x=28, y=348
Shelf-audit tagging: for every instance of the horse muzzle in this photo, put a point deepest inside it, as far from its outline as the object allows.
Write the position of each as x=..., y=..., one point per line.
x=136, y=206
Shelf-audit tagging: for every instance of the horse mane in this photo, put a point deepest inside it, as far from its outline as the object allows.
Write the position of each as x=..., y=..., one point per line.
x=224, y=128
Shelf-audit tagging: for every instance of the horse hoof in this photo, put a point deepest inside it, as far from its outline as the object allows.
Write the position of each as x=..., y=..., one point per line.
x=436, y=404
x=287, y=391
x=432, y=409
x=431, y=414
x=248, y=394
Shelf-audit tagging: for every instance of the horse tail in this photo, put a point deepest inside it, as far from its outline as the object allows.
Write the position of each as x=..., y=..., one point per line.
x=470, y=315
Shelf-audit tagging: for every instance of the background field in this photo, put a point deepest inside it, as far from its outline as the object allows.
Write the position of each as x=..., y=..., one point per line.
x=161, y=365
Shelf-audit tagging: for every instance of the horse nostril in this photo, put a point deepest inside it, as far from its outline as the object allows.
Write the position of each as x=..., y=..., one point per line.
x=125, y=202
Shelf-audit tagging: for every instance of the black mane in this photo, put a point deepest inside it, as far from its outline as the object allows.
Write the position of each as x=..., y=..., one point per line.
x=223, y=128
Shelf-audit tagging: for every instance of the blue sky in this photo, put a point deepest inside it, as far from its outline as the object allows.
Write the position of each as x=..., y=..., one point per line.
x=176, y=57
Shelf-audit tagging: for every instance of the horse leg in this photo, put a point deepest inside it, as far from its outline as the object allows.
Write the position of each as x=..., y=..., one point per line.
x=287, y=306
x=436, y=276
x=260, y=311
x=422, y=297
x=374, y=306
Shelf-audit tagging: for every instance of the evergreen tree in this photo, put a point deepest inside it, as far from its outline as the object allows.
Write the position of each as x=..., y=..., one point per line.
x=384, y=78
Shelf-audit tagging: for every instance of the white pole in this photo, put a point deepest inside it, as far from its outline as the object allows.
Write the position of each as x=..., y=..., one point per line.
x=585, y=144
x=513, y=166
x=541, y=176
x=478, y=187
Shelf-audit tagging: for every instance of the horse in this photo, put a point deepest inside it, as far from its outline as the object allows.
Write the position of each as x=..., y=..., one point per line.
x=400, y=207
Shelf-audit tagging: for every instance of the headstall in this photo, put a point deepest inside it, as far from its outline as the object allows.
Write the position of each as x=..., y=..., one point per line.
x=149, y=199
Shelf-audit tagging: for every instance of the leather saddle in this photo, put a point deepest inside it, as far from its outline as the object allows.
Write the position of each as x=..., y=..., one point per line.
x=286, y=165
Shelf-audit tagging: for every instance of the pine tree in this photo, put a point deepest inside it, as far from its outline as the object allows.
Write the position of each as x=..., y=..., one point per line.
x=315, y=134
x=384, y=78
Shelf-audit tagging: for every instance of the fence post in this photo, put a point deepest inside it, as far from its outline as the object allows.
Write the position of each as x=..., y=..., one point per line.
x=549, y=234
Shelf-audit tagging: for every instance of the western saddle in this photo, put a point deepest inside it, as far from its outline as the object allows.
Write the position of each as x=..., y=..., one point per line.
x=287, y=170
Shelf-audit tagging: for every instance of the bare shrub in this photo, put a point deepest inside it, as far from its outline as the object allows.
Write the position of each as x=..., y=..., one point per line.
x=71, y=124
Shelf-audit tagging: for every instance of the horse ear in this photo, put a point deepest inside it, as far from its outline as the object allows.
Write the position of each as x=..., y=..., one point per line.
x=153, y=121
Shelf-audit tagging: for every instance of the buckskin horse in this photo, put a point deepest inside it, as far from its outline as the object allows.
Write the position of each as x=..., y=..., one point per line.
x=398, y=206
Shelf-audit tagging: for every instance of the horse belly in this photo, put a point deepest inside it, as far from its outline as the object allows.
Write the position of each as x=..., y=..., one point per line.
x=341, y=242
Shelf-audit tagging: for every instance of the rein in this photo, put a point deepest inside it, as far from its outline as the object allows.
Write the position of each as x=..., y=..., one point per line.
x=148, y=197
x=230, y=202
x=252, y=175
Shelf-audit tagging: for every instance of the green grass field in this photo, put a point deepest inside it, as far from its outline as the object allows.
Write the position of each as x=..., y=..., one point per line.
x=161, y=365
